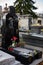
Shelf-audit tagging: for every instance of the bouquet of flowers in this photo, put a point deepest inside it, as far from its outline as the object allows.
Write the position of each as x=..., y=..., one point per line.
x=14, y=43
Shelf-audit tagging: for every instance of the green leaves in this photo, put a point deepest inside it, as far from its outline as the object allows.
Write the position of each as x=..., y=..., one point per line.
x=25, y=7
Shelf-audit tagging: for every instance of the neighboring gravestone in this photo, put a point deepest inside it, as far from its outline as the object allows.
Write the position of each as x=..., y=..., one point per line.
x=0, y=24
x=36, y=28
x=0, y=9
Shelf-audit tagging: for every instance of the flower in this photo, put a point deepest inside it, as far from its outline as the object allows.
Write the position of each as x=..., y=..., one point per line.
x=10, y=49
x=14, y=38
x=14, y=43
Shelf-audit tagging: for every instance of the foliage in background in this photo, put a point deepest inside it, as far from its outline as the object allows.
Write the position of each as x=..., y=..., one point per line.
x=25, y=7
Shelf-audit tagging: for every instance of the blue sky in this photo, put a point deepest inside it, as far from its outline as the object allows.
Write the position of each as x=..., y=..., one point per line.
x=38, y=4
